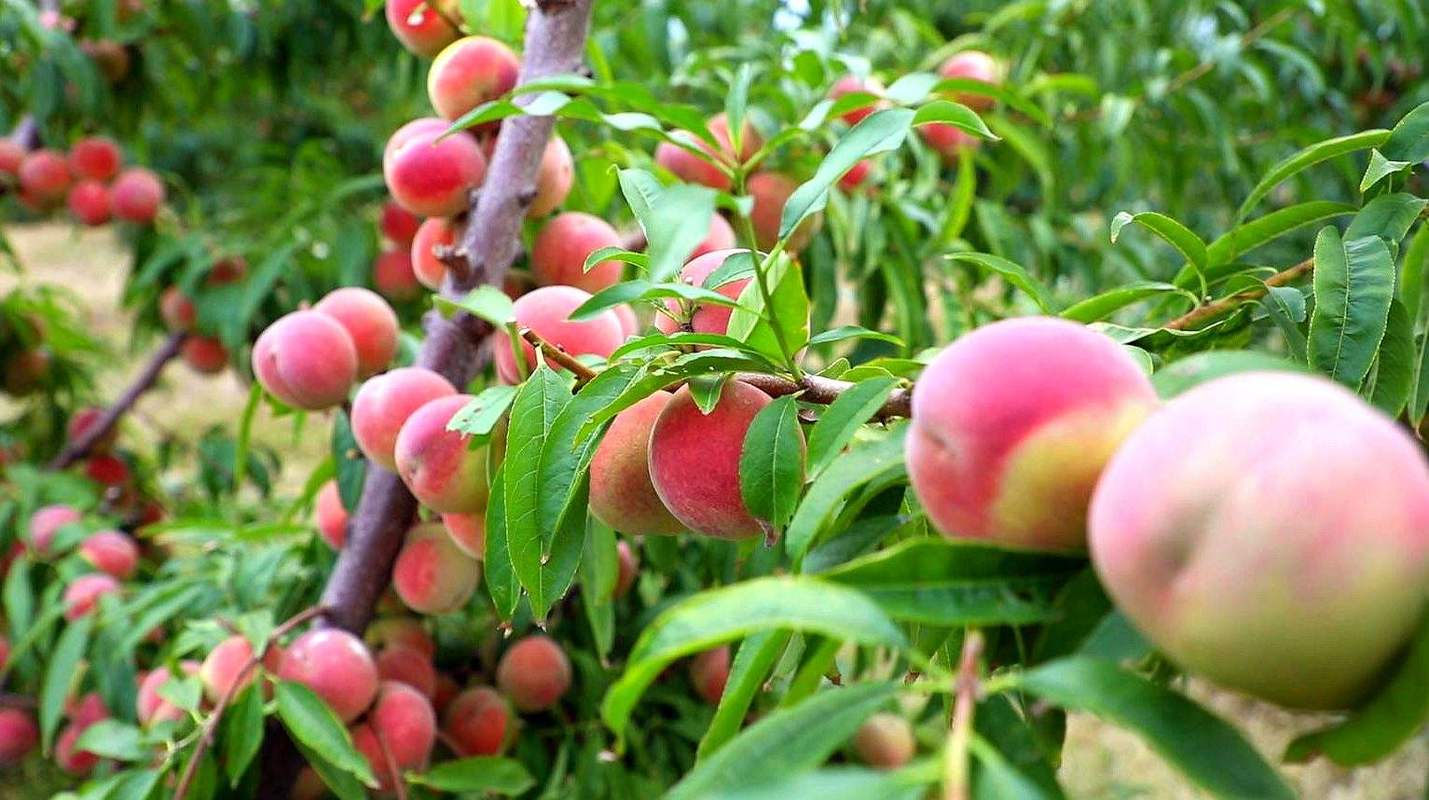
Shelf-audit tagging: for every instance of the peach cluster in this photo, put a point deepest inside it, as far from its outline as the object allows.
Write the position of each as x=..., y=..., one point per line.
x=310, y=358
x=89, y=180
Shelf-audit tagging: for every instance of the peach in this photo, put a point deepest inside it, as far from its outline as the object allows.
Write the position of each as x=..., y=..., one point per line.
x=223, y=669
x=150, y=707
x=559, y=253
x=434, y=232
x=336, y=666
x=309, y=784
x=88, y=203
x=68, y=758
x=885, y=741
x=12, y=153
x=709, y=672
x=468, y=72
x=534, y=673
x=46, y=522
x=112, y=553
x=18, y=735
x=405, y=665
x=720, y=237
x=948, y=141
x=977, y=65
x=1269, y=531
x=553, y=179
x=306, y=359
x=702, y=317
x=4, y=643
x=177, y=310
x=394, y=276
x=445, y=691
x=369, y=320
x=111, y=57
x=44, y=175
x=547, y=311
x=691, y=168
x=331, y=516
x=402, y=632
x=87, y=709
x=27, y=370
x=478, y=722
x=384, y=403
x=95, y=158
x=694, y=460
x=428, y=177
x=438, y=466
x=621, y=493
x=628, y=565
x=398, y=224
x=468, y=533
x=226, y=270
x=1012, y=425
x=136, y=195
x=107, y=470
x=83, y=421
x=771, y=191
x=83, y=593
x=205, y=355
x=629, y=323
x=855, y=177
x=432, y=575
x=399, y=732
x=851, y=84
x=424, y=27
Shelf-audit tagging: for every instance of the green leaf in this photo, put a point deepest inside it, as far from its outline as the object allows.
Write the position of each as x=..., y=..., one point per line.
x=1379, y=168
x=753, y=661
x=110, y=738
x=1308, y=157
x=842, y=419
x=873, y=461
x=640, y=260
x=313, y=724
x=1394, y=366
x=1354, y=283
x=1172, y=232
x=60, y=675
x=715, y=616
x=1409, y=141
x=1015, y=274
x=1197, y=369
x=497, y=571
x=639, y=289
x=1286, y=307
x=505, y=776
x=641, y=190
x=789, y=307
x=1202, y=746
x=339, y=780
x=484, y=302
x=1411, y=275
x=1099, y=307
x=947, y=112
x=1388, y=216
x=1387, y=720
x=845, y=332
x=676, y=225
x=842, y=782
x=348, y=461
x=135, y=784
x=530, y=510
x=1247, y=236
x=771, y=463
x=999, y=778
x=735, y=103
x=789, y=741
x=480, y=416
x=879, y=132
x=242, y=732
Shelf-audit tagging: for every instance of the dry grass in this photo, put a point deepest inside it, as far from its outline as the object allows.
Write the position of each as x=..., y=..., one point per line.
x=1101, y=761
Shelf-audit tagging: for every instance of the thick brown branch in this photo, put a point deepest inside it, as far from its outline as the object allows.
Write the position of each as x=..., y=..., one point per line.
x=817, y=389
x=80, y=447
x=1193, y=319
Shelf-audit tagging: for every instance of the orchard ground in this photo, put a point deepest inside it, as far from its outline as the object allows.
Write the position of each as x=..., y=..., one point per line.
x=1101, y=761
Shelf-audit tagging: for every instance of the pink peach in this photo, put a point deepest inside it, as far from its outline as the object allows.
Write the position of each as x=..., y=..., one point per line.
x=559, y=253
x=429, y=177
x=547, y=311
x=384, y=403
x=468, y=72
x=534, y=673
x=621, y=493
x=336, y=666
x=306, y=359
x=369, y=320
x=432, y=575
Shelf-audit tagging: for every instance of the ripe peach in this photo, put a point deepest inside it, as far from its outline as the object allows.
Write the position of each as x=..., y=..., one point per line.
x=383, y=403
x=554, y=178
x=83, y=421
x=432, y=575
x=399, y=732
x=621, y=494
x=309, y=785
x=428, y=177
x=83, y=593
x=977, y=65
x=177, y=310
x=336, y=666
x=468, y=533
x=87, y=709
x=331, y=515
x=398, y=224
x=68, y=758
x=547, y=311
x=111, y=552
x=46, y=522
x=95, y=158
x=4, y=643
x=720, y=237
x=850, y=84
x=629, y=568
x=771, y=190
x=306, y=360
x=430, y=271
x=424, y=26
x=12, y=153
x=223, y=667
x=445, y=691
x=694, y=460
x=885, y=741
x=107, y=470
x=150, y=707
x=405, y=665
x=702, y=317
x=534, y=672
x=88, y=203
x=18, y=735
x=478, y=722
x=394, y=276
x=44, y=175
x=369, y=320
x=111, y=57
x=1269, y=531
x=1013, y=423
x=205, y=355
x=691, y=168
x=629, y=323
x=854, y=178
x=137, y=195
x=558, y=255
x=948, y=141
x=709, y=672
x=226, y=270
x=437, y=464
x=469, y=72
x=402, y=632
x=27, y=370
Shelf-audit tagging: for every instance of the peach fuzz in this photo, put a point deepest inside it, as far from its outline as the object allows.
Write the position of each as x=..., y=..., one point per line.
x=88, y=203
x=534, y=673
x=330, y=516
x=46, y=522
x=44, y=176
x=434, y=232
x=1012, y=425
x=395, y=276
x=399, y=732
x=553, y=178
x=383, y=404
x=83, y=421
x=1270, y=532
x=136, y=195
x=224, y=666
x=468, y=533
x=691, y=168
x=851, y=84
x=709, y=672
x=885, y=741
x=694, y=460
x=177, y=310
x=398, y=225
x=428, y=177
x=369, y=320
x=409, y=666
x=95, y=158
x=621, y=493
x=336, y=666
x=432, y=575
x=150, y=707
x=478, y=722
x=468, y=72
x=111, y=552
x=402, y=632
x=547, y=311
x=306, y=359
x=438, y=466
x=559, y=253
x=204, y=355
x=82, y=595
x=19, y=735
x=424, y=27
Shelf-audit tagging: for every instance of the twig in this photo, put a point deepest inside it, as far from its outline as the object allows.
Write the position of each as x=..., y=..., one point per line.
x=1251, y=36
x=1192, y=319
x=80, y=447
x=818, y=389
x=956, y=772
x=11, y=700
x=398, y=785
x=557, y=354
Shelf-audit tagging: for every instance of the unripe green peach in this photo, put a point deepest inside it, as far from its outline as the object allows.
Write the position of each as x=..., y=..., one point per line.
x=534, y=672
x=621, y=493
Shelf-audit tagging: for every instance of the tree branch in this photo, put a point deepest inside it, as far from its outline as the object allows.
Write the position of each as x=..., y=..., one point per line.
x=818, y=389
x=1192, y=319
x=143, y=382
x=559, y=356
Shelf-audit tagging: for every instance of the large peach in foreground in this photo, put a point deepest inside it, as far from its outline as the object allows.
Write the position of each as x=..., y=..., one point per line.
x=338, y=668
x=306, y=359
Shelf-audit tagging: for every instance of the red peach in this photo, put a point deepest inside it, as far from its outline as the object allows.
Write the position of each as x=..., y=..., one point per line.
x=68, y=758
x=445, y=692
x=709, y=672
x=885, y=741
x=151, y=708
x=306, y=360
x=369, y=320
x=87, y=709
x=11, y=154
x=384, y=403
x=771, y=191
x=398, y=224
x=4, y=643
x=331, y=515
x=83, y=421
x=82, y=595
x=854, y=178
x=468, y=533
x=948, y=141
x=88, y=203
x=226, y=270
x=478, y=722
x=424, y=27
x=691, y=168
x=137, y=195
x=629, y=323
x=554, y=178
x=399, y=732
x=720, y=237
x=1012, y=425
x=850, y=84
x=402, y=632
x=977, y=65
x=438, y=466
x=428, y=177
x=405, y=665
x=534, y=673
x=44, y=175
x=336, y=666
x=46, y=522
x=95, y=158
x=432, y=575
x=702, y=317
x=111, y=552
x=107, y=470
x=395, y=277
x=224, y=666
x=19, y=735
x=430, y=271
x=468, y=72
x=621, y=494
x=547, y=311
x=177, y=310
x=205, y=355
x=559, y=253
